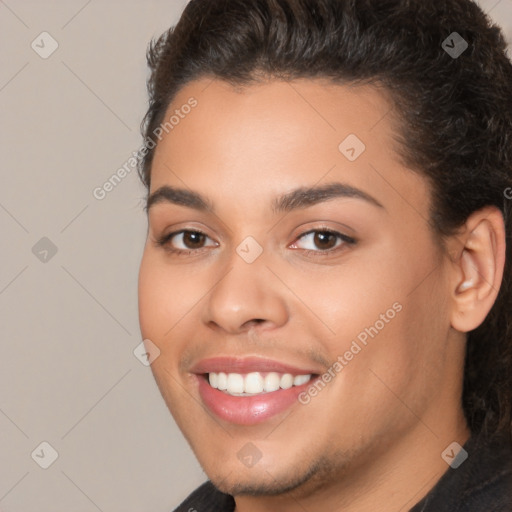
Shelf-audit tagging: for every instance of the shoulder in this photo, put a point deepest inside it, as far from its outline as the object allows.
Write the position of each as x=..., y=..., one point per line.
x=482, y=483
x=489, y=482
x=207, y=499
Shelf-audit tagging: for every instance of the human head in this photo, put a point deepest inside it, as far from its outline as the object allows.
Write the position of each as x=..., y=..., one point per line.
x=453, y=116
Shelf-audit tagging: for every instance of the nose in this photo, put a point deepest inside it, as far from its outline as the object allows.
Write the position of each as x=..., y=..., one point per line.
x=247, y=296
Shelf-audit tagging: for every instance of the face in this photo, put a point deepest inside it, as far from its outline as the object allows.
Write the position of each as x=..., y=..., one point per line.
x=293, y=268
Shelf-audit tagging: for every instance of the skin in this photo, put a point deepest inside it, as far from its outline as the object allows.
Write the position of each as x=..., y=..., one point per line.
x=373, y=438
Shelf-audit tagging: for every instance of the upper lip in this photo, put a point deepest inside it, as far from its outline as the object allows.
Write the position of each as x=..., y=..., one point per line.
x=231, y=364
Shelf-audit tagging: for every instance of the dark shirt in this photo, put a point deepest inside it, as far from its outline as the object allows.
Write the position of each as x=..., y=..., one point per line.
x=482, y=483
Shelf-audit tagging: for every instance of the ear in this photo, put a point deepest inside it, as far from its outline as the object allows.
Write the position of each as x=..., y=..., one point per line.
x=477, y=268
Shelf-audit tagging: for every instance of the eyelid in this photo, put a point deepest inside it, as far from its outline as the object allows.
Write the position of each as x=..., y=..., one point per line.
x=164, y=241
x=345, y=239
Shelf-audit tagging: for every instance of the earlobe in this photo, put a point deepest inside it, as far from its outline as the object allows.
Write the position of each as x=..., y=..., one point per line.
x=479, y=269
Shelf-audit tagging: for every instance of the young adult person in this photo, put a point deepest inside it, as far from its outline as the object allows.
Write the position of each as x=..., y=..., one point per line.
x=326, y=275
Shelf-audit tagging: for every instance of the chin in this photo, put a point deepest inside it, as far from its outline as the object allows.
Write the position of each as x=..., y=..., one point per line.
x=257, y=486
x=274, y=481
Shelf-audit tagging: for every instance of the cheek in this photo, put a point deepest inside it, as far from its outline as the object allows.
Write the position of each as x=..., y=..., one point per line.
x=350, y=297
x=159, y=305
x=396, y=317
x=160, y=309
x=151, y=298
x=406, y=358
x=162, y=299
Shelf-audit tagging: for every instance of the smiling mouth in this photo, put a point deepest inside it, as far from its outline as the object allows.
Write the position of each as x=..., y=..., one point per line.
x=254, y=383
x=248, y=391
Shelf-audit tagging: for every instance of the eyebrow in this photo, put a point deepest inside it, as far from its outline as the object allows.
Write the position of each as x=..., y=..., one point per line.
x=297, y=199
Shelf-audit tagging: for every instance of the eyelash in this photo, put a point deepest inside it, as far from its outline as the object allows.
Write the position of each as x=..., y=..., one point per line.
x=164, y=242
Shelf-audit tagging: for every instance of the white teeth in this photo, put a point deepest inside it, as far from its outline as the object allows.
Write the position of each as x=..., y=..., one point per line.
x=272, y=382
x=235, y=383
x=286, y=381
x=213, y=378
x=222, y=381
x=301, y=379
x=254, y=383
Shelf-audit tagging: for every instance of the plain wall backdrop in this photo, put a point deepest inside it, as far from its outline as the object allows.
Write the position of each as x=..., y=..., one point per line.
x=70, y=117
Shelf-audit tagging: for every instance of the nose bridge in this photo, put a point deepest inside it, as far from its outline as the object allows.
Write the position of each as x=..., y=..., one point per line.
x=246, y=292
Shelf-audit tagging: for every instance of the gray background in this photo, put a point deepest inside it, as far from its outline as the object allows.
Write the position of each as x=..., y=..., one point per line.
x=69, y=320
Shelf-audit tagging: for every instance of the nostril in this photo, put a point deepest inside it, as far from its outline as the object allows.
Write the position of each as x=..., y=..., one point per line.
x=256, y=321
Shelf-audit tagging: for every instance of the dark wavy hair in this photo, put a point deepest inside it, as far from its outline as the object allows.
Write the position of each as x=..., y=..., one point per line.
x=455, y=114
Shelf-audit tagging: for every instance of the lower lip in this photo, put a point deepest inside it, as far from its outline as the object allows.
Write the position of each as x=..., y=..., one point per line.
x=248, y=410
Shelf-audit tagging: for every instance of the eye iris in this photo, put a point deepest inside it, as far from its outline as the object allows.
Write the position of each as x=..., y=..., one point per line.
x=325, y=240
x=193, y=240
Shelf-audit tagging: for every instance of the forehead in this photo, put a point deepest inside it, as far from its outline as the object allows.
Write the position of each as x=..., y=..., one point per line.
x=266, y=116
x=270, y=137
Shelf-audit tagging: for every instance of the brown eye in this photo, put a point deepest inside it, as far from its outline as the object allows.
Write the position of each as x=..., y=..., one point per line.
x=184, y=241
x=193, y=239
x=325, y=240
x=322, y=241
